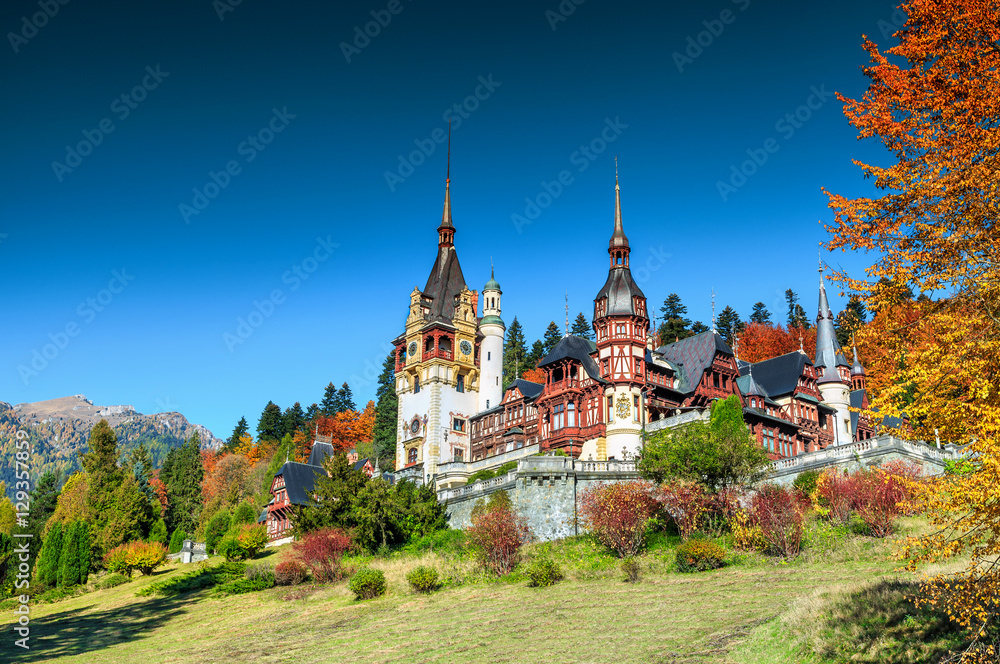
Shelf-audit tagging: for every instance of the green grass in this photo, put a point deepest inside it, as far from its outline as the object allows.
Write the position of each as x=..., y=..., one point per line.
x=754, y=610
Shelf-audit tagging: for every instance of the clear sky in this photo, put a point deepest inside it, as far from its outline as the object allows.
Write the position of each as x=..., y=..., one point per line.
x=171, y=168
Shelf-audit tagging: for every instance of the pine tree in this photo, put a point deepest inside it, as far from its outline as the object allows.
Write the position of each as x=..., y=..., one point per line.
x=345, y=399
x=140, y=464
x=270, y=425
x=582, y=327
x=130, y=517
x=729, y=324
x=515, y=354
x=551, y=337
x=43, y=500
x=241, y=429
x=386, y=406
x=536, y=354
x=293, y=419
x=101, y=465
x=674, y=326
x=69, y=571
x=328, y=406
x=849, y=320
x=84, y=550
x=698, y=327
x=760, y=314
x=47, y=568
x=183, y=476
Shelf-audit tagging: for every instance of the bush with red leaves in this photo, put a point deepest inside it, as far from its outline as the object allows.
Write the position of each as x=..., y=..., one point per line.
x=775, y=510
x=497, y=534
x=322, y=551
x=687, y=503
x=619, y=513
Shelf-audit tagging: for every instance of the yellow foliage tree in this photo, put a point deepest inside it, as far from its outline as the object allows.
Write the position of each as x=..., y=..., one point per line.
x=935, y=106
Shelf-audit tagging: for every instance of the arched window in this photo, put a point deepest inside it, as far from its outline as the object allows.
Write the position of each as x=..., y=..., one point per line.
x=416, y=384
x=411, y=456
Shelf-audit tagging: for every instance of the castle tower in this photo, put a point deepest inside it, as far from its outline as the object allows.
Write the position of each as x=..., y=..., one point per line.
x=491, y=347
x=621, y=325
x=832, y=370
x=857, y=372
x=437, y=371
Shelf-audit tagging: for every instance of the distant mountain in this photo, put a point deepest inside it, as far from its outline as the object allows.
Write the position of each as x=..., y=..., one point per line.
x=59, y=429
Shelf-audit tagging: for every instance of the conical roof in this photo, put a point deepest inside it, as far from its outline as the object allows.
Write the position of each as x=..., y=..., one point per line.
x=829, y=355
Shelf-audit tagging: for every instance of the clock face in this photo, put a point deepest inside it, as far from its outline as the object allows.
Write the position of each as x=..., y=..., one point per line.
x=624, y=408
x=413, y=349
x=466, y=347
x=415, y=425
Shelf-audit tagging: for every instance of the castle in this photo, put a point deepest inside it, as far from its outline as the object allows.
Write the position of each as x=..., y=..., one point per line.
x=598, y=397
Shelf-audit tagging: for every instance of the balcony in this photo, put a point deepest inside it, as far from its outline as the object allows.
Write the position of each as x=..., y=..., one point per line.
x=432, y=354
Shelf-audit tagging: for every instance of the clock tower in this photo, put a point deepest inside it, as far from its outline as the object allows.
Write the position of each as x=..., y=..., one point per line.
x=437, y=363
x=621, y=325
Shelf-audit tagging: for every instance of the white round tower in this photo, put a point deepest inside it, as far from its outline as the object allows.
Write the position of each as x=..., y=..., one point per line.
x=491, y=348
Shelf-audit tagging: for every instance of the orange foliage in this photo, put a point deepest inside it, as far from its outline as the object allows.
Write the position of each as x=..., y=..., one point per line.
x=534, y=375
x=159, y=489
x=345, y=429
x=761, y=341
x=248, y=449
x=227, y=478
x=209, y=459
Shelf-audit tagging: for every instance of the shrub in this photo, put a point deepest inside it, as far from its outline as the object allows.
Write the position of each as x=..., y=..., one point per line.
x=177, y=540
x=696, y=555
x=880, y=498
x=776, y=512
x=137, y=555
x=447, y=541
x=632, y=570
x=686, y=503
x=244, y=513
x=618, y=514
x=243, y=543
x=497, y=534
x=289, y=573
x=833, y=494
x=367, y=583
x=423, y=579
x=805, y=484
x=720, y=508
x=322, y=551
x=747, y=535
x=544, y=572
x=112, y=581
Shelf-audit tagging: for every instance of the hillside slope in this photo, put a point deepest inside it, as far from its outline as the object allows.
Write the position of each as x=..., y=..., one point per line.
x=59, y=429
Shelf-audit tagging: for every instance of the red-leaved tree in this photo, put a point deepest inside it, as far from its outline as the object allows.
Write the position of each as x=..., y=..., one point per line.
x=497, y=533
x=685, y=502
x=322, y=552
x=775, y=510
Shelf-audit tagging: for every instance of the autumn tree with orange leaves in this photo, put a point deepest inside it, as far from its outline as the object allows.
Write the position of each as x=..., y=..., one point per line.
x=347, y=430
x=934, y=102
x=762, y=341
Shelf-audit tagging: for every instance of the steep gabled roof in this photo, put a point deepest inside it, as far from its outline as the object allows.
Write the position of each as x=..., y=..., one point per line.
x=693, y=355
x=300, y=478
x=577, y=348
x=444, y=284
x=320, y=451
x=529, y=389
x=779, y=375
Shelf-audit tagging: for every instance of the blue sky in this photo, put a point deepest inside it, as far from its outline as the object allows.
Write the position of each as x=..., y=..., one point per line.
x=172, y=168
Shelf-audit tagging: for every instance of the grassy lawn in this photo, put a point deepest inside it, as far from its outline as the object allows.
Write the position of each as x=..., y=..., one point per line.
x=750, y=611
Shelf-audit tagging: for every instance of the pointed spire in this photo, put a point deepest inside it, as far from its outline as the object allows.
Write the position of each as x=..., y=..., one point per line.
x=829, y=355
x=567, y=314
x=801, y=349
x=714, y=330
x=446, y=231
x=618, y=246
x=857, y=369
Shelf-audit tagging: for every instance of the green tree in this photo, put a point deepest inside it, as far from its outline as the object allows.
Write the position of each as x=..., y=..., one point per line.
x=177, y=540
x=312, y=412
x=386, y=404
x=293, y=419
x=375, y=513
x=345, y=399
x=582, y=327
x=760, y=314
x=69, y=558
x=536, y=354
x=849, y=320
x=244, y=513
x=271, y=425
x=729, y=325
x=182, y=473
x=717, y=454
x=47, y=567
x=334, y=497
x=43, y=500
x=675, y=325
x=130, y=517
x=328, y=406
x=698, y=327
x=241, y=429
x=158, y=533
x=796, y=314
x=103, y=474
x=217, y=527
x=7, y=512
x=551, y=337
x=85, y=548
x=515, y=354
x=140, y=464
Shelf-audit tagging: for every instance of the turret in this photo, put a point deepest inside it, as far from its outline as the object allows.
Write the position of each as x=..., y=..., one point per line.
x=832, y=370
x=491, y=347
x=857, y=372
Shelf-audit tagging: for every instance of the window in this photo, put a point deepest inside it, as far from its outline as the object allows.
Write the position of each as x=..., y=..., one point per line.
x=460, y=383
x=715, y=379
x=557, y=416
x=458, y=455
x=488, y=355
x=458, y=424
x=638, y=366
x=411, y=456
x=416, y=384
x=571, y=414
x=611, y=409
